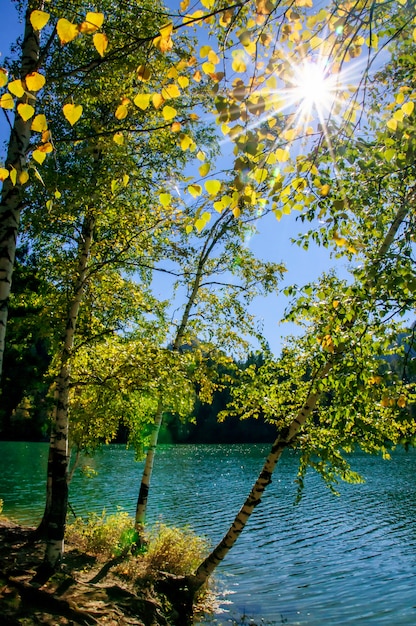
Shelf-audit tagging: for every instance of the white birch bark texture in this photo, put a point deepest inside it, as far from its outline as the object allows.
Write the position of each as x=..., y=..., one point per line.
x=12, y=194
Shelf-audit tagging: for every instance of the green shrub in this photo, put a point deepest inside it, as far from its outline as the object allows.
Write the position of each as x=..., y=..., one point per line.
x=102, y=535
x=174, y=550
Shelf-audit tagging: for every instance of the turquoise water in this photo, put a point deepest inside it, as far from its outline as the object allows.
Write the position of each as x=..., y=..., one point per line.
x=327, y=561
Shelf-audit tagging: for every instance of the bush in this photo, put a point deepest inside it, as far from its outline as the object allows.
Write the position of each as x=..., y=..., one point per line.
x=174, y=550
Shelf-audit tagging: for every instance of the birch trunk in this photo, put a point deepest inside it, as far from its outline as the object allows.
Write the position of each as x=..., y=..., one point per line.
x=11, y=195
x=57, y=498
x=147, y=474
x=285, y=437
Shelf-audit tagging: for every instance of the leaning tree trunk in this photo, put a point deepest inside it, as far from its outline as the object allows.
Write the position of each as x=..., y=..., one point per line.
x=57, y=500
x=287, y=435
x=147, y=474
x=12, y=192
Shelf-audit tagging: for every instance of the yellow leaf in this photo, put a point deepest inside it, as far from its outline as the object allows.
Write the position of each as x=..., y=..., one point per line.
x=100, y=41
x=208, y=68
x=13, y=175
x=121, y=112
x=212, y=186
x=204, y=51
x=23, y=177
x=3, y=77
x=142, y=100
x=39, y=19
x=238, y=65
x=401, y=402
x=208, y=4
x=213, y=57
x=182, y=80
x=204, y=169
x=72, y=112
x=398, y=115
x=166, y=30
x=392, y=124
x=66, y=31
x=157, y=100
x=16, y=88
x=49, y=204
x=189, y=229
x=57, y=194
x=282, y=155
x=45, y=147
x=168, y=113
x=165, y=199
x=126, y=179
x=46, y=135
x=176, y=127
x=3, y=174
x=408, y=107
x=170, y=91
x=183, y=7
x=197, y=76
x=143, y=73
x=26, y=111
x=92, y=22
x=324, y=190
x=200, y=155
x=186, y=142
x=118, y=138
x=195, y=190
x=39, y=156
x=340, y=241
x=236, y=211
x=35, y=81
x=290, y=134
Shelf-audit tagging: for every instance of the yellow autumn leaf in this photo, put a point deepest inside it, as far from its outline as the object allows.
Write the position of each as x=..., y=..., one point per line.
x=72, y=112
x=39, y=19
x=46, y=135
x=183, y=81
x=3, y=174
x=142, y=100
x=186, y=142
x=168, y=113
x=197, y=76
x=392, y=124
x=121, y=112
x=16, y=88
x=212, y=186
x=194, y=190
x=176, y=127
x=204, y=169
x=45, y=147
x=324, y=190
x=401, y=402
x=13, y=175
x=39, y=156
x=157, y=100
x=236, y=211
x=118, y=138
x=143, y=73
x=165, y=199
x=57, y=194
x=171, y=91
x=208, y=4
x=66, y=31
x=26, y=111
x=408, y=107
x=282, y=155
x=35, y=81
x=23, y=177
x=100, y=41
x=189, y=229
x=414, y=35
x=3, y=76
x=126, y=179
x=92, y=22
x=208, y=68
x=39, y=123
x=340, y=241
x=183, y=7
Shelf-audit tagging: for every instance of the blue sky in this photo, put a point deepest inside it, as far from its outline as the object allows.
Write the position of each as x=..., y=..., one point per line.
x=271, y=242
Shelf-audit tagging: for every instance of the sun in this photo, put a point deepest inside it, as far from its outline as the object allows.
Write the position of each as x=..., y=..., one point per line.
x=313, y=90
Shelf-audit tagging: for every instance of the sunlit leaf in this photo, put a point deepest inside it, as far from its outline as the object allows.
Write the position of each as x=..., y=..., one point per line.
x=126, y=179
x=143, y=73
x=392, y=124
x=408, y=107
x=3, y=174
x=186, y=142
x=92, y=22
x=142, y=100
x=16, y=88
x=188, y=229
x=35, y=81
x=194, y=190
x=282, y=155
x=100, y=41
x=39, y=156
x=324, y=190
x=170, y=91
x=168, y=112
x=212, y=186
x=72, y=112
x=204, y=169
x=157, y=100
x=26, y=111
x=165, y=199
x=121, y=112
x=3, y=77
x=45, y=147
x=118, y=138
x=183, y=81
x=23, y=177
x=39, y=19
x=66, y=30
x=13, y=175
x=176, y=127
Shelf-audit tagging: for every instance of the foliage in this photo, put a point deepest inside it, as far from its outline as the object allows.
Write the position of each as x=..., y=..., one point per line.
x=103, y=535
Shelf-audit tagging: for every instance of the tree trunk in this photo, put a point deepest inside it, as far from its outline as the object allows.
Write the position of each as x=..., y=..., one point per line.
x=57, y=499
x=11, y=194
x=147, y=474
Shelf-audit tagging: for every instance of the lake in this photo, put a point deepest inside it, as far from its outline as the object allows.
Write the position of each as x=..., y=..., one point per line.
x=328, y=560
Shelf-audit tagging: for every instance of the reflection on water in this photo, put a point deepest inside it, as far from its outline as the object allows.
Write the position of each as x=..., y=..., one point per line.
x=328, y=560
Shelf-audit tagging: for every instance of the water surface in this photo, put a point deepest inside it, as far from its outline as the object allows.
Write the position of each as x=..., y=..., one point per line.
x=328, y=560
